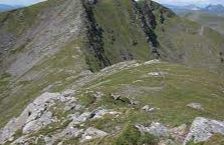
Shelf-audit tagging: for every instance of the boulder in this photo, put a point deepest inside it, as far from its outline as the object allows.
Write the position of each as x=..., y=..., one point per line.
x=196, y=106
x=44, y=120
x=202, y=129
x=148, y=108
x=36, y=115
x=156, y=129
x=92, y=133
x=179, y=133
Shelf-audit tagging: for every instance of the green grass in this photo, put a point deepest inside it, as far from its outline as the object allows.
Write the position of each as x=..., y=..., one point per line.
x=131, y=136
x=210, y=20
x=180, y=87
x=18, y=21
x=122, y=34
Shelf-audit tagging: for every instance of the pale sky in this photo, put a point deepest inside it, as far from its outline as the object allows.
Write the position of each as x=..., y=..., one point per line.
x=187, y=2
x=19, y=2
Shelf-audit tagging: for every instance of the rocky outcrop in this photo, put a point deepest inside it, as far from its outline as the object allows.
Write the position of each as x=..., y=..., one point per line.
x=150, y=108
x=36, y=115
x=92, y=133
x=156, y=129
x=202, y=129
x=46, y=33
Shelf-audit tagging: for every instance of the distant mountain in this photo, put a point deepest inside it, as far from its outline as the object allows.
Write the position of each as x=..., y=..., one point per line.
x=218, y=9
x=211, y=20
x=4, y=7
x=213, y=9
x=211, y=16
x=186, y=7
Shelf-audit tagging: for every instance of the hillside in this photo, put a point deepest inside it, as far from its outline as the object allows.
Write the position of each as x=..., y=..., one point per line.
x=213, y=21
x=63, y=75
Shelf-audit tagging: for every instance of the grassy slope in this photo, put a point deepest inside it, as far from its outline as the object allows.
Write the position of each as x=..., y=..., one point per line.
x=211, y=20
x=18, y=21
x=181, y=42
x=171, y=93
x=121, y=30
x=179, y=87
x=53, y=73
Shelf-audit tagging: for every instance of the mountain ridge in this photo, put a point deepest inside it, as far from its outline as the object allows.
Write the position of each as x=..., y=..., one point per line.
x=75, y=49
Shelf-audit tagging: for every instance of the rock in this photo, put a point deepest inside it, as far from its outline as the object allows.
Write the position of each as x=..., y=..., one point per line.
x=196, y=106
x=147, y=108
x=8, y=131
x=68, y=93
x=92, y=133
x=157, y=74
x=98, y=113
x=179, y=133
x=68, y=133
x=156, y=129
x=36, y=115
x=134, y=102
x=167, y=142
x=124, y=99
x=39, y=123
x=154, y=61
x=78, y=119
x=23, y=140
x=98, y=95
x=115, y=96
x=202, y=129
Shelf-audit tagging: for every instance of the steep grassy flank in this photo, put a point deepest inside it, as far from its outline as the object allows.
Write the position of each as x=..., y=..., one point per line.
x=210, y=20
x=18, y=21
x=122, y=35
x=187, y=42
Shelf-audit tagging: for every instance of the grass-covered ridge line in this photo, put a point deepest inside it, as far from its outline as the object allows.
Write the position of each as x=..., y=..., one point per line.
x=171, y=93
x=20, y=20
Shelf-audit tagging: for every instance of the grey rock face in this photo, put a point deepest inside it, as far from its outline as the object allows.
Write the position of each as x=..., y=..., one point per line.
x=202, y=129
x=45, y=119
x=35, y=116
x=59, y=25
x=148, y=108
x=179, y=133
x=92, y=133
x=67, y=133
x=156, y=129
